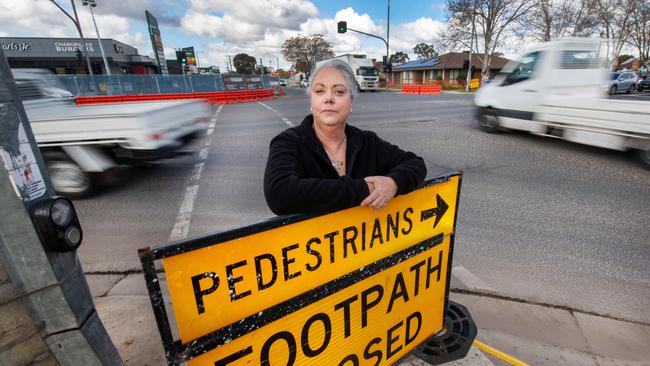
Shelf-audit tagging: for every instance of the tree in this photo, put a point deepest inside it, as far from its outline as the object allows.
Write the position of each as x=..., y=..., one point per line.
x=615, y=19
x=640, y=33
x=305, y=51
x=550, y=19
x=244, y=64
x=398, y=58
x=425, y=51
x=623, y=58
x=482, y=25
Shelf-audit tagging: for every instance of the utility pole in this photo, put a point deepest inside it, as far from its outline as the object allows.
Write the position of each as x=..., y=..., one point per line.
x=388, y=43
x=471, y=45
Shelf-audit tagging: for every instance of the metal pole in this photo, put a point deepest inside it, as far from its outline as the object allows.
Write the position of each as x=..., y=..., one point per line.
x=471, y=44
x=81, y=35
x=388, y=43
x=101, y=48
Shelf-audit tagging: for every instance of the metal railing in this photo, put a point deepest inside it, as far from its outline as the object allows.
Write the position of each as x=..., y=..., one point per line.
x=96, y=85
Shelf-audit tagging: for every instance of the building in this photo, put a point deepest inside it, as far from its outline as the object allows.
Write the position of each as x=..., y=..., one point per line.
x=450, y=68
x=60, y=55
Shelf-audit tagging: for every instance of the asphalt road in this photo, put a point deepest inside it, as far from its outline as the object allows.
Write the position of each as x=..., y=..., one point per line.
x=540, y=219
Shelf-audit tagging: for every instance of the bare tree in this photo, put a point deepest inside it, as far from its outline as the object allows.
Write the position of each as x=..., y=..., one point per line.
x=305, y=51
x=615, y=18
x=492, y=20
x=551, y=19
x=640, y=32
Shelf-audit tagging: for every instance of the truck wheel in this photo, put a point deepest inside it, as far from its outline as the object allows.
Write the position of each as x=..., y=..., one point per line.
x=644, y=156
x=67, y=177
x=488, y=121
x=612, y=90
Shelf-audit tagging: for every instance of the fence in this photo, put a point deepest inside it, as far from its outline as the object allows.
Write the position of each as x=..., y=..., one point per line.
x=100, y=85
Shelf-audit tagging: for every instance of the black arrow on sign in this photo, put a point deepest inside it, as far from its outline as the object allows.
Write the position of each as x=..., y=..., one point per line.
x=438, y=212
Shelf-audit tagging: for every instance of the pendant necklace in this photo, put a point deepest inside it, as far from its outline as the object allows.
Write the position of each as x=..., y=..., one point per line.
x=337, y=164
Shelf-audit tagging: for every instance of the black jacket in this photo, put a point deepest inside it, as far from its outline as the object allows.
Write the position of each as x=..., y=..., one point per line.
x=300, y=178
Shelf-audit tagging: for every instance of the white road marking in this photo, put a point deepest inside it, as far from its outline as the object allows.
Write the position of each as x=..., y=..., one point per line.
x=182, y=226
x=468, y=279
x=285, y=120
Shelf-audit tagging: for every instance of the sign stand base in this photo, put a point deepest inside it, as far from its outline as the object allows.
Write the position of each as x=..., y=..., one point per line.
x=454, y=341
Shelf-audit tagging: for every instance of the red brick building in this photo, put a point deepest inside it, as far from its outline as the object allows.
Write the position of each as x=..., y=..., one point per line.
x=450, y=68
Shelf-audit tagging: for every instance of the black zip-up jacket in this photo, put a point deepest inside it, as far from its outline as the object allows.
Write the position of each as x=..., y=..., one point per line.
x=300, y=178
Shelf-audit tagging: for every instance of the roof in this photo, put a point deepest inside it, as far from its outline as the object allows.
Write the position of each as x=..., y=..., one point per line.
x=452, y=60
x=417, y=64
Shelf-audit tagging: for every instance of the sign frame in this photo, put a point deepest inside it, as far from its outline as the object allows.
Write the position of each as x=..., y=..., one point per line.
x=176, y=352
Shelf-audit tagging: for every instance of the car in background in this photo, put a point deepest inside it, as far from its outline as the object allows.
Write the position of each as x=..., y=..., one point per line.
x=304, y=83
x=283, y=82
x=643, y=84
x=622, y=81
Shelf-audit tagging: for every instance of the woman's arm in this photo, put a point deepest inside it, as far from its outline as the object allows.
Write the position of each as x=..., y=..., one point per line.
x=404, y=167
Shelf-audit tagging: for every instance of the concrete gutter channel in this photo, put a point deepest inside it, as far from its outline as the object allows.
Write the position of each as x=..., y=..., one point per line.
x=535, y=334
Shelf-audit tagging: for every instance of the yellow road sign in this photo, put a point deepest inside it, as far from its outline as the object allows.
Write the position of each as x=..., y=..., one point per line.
x=377, y=320
x=249, y=293
x=474, y=83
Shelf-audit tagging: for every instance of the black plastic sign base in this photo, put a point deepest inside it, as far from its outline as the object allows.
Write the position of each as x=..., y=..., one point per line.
x=453, y=344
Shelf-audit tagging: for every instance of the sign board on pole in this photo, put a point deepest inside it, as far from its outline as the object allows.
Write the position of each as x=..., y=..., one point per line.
x=474, y=83
x=357, y=285
x=156, y=42
x=191, y=56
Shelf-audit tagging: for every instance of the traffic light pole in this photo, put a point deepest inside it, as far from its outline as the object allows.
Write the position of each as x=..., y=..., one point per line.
x=49, y=288
x=372, y=35
x=346, y=28
x=81, y=35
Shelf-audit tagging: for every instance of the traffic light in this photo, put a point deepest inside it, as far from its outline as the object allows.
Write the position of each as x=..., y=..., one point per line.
x=388, y=68
x=343, y=27
x=181, y=57
x=80, y=57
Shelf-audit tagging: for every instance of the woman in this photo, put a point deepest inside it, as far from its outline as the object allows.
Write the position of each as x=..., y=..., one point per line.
x=324, y=164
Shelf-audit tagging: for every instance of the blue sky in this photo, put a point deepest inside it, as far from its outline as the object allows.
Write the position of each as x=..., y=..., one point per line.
x=217, y=28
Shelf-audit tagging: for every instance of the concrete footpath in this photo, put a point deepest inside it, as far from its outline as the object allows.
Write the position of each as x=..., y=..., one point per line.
x=534, y=334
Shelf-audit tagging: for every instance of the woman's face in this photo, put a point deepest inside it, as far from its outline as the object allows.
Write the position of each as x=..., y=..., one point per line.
x=330, y=98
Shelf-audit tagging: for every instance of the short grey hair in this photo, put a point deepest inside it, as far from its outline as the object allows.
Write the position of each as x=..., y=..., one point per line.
x=340, y=65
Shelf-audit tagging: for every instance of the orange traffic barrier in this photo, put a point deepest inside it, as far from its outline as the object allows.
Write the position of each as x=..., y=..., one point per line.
x=411, y=89
x=235, y=96
x=430, y=89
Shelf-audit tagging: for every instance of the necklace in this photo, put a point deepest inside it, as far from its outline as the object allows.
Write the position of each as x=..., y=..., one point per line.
x=336, y=163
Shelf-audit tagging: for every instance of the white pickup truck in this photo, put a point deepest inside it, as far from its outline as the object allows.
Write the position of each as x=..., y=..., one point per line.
x=558, y=89
x=80, y=142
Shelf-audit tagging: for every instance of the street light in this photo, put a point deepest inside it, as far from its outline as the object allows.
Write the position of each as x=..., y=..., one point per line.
x=101, y=48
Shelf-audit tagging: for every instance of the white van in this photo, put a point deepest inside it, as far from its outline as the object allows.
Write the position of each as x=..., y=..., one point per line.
x=556, y=89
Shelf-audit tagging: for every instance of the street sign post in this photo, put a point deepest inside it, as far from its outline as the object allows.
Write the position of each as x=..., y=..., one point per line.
x=358, y=285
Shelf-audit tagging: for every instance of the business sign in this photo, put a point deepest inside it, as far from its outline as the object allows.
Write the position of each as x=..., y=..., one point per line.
x=358, y=285
x=191, y=56
x=156, y=42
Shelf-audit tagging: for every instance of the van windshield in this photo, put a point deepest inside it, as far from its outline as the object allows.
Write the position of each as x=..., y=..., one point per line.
x=522, y=70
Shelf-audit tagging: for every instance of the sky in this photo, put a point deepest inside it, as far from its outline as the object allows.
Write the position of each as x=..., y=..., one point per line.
x=217, y=28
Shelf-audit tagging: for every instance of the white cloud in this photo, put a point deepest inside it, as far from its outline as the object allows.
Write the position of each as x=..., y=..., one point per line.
x=285, y=14
x=405, y=36
x=225, y=27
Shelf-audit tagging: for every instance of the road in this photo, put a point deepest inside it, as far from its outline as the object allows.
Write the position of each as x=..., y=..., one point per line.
x=540, y=220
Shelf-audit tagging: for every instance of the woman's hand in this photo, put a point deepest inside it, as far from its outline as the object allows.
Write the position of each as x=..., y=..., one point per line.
x=382, y=190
